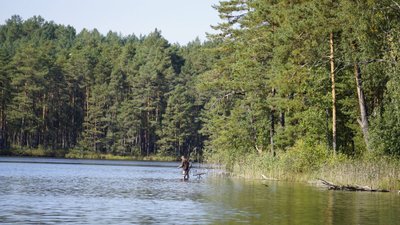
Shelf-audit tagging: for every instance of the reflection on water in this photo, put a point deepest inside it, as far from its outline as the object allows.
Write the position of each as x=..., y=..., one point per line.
x=296, y=203
x=152, y=193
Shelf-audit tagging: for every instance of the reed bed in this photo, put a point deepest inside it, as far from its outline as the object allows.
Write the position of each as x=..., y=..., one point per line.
x=376, y=172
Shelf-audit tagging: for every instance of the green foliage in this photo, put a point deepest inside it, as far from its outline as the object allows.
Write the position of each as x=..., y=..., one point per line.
x=387, y=122
x=304, y=157
x=270, y=90
x=259, y=91
x=97, y=95
x=375, y=171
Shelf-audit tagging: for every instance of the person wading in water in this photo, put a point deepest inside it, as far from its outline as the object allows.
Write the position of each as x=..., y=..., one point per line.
x=185, y=165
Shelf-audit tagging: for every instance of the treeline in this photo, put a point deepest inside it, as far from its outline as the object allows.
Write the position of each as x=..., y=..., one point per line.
x=278, y=77
x=315, y=74
x=98, y=94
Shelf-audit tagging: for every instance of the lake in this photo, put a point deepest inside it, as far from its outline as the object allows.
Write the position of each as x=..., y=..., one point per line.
x=67, y=191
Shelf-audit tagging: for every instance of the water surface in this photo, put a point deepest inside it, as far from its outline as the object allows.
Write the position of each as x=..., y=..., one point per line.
x=54, y=191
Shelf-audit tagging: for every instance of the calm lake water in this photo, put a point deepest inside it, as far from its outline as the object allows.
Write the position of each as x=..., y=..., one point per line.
x=60, y=191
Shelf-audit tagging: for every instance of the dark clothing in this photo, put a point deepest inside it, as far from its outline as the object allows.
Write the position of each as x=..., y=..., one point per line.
x=185, y=165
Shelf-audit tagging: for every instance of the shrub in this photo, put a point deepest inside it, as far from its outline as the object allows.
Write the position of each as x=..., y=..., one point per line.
x=303, y=157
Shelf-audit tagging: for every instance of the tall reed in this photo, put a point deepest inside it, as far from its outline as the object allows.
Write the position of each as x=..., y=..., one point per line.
x=374, y=171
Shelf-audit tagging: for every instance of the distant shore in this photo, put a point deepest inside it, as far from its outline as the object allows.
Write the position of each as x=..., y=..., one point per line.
x=81, y=155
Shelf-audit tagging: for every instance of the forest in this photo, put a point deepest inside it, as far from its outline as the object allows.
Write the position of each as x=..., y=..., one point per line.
x=321, y=73
x=300, y=81
x=62, y=91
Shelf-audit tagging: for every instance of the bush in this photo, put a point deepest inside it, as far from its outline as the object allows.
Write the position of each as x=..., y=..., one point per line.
x=303, y=157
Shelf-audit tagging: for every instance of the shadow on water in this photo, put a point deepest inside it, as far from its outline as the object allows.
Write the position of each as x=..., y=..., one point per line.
x=153, y=193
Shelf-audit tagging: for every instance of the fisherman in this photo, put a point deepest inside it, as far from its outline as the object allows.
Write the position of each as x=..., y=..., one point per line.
x=185, y=165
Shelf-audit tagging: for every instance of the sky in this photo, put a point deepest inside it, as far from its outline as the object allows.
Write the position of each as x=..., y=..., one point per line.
x=180, y=21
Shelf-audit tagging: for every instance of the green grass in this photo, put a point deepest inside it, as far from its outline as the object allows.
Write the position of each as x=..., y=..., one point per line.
x=33, y=152
x=90, y=155
x=377, y=173
x=304, y=164
x=76, y=154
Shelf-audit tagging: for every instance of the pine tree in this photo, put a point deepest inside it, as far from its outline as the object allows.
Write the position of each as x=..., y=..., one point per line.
x=29, y=71
x=149, y=74
x=5, y=94
x=386, y=118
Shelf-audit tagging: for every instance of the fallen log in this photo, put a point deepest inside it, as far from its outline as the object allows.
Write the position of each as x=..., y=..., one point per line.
x=199, y=174
x=332, y=186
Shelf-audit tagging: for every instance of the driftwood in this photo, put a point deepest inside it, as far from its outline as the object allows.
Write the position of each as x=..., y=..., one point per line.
x=332, y=186
x=267, y=178
x=197, y=172
x=198, y=175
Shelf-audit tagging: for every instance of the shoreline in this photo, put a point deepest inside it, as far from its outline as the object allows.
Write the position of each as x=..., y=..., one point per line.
x=64, y=154
x=376, y=173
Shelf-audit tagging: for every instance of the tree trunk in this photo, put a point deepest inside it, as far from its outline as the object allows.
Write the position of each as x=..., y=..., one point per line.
x=282, y=119
x=272, y=127
x=95, y=135
x=148, y=127
x=363, y=107
x=72, y=133
x=2, y=129
x=44, y=124
x=21, y=141
x=254, y=132
x=272, y=132
x=332, y=75
x=87, y=102
x=328, y=144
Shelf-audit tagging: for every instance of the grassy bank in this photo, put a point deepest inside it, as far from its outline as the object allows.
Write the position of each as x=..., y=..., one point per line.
x=308, y=164
x=75, y=155
x=33, y=152
x=40, y=152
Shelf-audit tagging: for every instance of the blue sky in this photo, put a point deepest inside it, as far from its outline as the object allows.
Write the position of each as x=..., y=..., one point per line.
x=180, y=21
